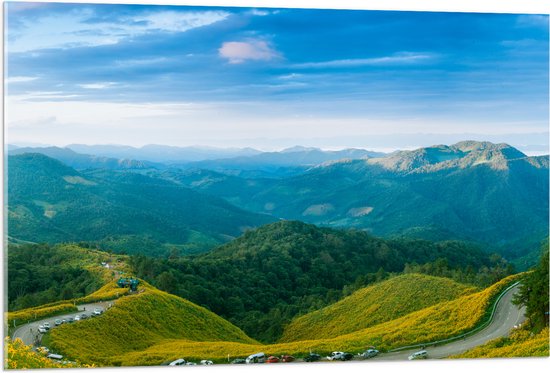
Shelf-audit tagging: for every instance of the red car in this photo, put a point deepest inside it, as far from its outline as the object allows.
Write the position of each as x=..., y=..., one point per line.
x=287, y=358
x=272, y=359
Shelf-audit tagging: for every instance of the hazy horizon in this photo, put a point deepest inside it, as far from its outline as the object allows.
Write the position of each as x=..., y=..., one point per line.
x=274, y=78
x=529, y=151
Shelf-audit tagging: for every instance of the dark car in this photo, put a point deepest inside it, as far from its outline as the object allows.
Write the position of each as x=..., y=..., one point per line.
x=239, y=361
x=348, y=356
x=70, y=319
x=83, y=316
x=312, y=357
x=287, y=358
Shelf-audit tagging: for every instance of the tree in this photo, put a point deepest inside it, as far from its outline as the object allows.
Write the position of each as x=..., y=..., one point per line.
x=534, y=295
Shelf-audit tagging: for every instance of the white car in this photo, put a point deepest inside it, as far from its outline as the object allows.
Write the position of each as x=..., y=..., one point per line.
x=371, y=352
x=98, y=311
x=46, y=326
x=178, y=362
x=41, y=329
x=339, y=355
x=206, y=362
x=77, y=318
x=419, y=355
x=190, y=363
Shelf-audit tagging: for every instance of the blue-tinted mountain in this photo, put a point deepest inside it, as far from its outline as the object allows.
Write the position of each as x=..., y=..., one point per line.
x=124, y=211
x=479, y=191
x=86, y=161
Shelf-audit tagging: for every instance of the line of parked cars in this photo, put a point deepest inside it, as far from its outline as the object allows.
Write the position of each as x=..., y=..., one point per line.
x=261, y=357
x=43, y=328
x=179, y=362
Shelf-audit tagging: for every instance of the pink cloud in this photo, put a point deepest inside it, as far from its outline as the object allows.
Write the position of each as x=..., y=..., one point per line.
x=241, y=51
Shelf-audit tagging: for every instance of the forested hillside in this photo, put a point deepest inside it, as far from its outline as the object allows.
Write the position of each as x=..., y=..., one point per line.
x=265, y=278
x=125, y=212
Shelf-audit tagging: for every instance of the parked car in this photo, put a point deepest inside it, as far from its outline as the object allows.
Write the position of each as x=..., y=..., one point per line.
x=339, y=355
x=77, y=318
x=70, y=319
x=178, y=362
x=190, y=363
x=58, y=322
x=238, y=361
x=256, y=358
x=47, y=326
x=419, y=355
x=83, y=316
x=98, y=311
x=371, y=352
x=41, y=329
x=287, y=358
x=206, y=362
x=272, y=359
x=312, y=357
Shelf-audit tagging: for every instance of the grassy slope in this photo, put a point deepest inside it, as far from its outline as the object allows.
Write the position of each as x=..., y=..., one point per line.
x=519, y=344
x=373, y=305
x=137, y=332
x=139, y=321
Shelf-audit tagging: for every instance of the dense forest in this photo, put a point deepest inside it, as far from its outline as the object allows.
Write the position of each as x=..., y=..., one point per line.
x=40, y=274
x=534, y=293
x=265, y=278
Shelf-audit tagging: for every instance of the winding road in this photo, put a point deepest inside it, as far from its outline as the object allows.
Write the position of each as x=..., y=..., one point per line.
x=506, y=316
x=29, y=334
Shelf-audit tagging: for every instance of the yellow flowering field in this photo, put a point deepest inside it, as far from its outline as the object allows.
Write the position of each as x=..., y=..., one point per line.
x=20, y=356
x=373, y=305
x=155, y=327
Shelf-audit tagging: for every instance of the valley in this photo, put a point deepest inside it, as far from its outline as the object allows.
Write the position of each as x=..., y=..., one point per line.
x=283, y=253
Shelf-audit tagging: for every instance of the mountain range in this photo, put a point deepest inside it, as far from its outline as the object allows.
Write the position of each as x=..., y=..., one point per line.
x=49, y=201
x=488, y=193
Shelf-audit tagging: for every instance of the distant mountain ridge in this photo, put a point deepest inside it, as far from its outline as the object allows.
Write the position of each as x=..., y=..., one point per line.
x=461, y=155
x=85, y=161
x=489, y=193
x=49, y=201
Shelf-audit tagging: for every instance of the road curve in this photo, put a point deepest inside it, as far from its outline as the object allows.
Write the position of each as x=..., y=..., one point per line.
x=29, y=334
x=507, y=315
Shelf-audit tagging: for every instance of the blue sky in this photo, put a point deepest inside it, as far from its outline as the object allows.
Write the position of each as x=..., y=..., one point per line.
x=271, y=78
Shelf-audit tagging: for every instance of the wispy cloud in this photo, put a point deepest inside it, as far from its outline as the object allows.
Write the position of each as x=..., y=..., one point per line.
x=102, y=85
x=403, y=58
x=240, y=51
x=81, y=28
x=20, y=79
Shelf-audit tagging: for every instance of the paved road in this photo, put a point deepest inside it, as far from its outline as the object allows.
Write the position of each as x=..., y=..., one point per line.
x=507, y=315
x=29, y=334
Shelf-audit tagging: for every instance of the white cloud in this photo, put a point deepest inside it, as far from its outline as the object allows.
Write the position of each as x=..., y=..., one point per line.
x=73, y=29
x=20, y=79
x=180, y=21
x=97, y=85
x=404, y=58
x=241, y=51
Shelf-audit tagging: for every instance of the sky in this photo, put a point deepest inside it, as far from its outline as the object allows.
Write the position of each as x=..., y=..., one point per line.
x=274, y=78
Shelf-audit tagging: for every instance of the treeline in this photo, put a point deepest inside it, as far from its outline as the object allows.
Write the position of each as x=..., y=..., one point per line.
x=534, y=293
x=40, y=274
x=265, y=278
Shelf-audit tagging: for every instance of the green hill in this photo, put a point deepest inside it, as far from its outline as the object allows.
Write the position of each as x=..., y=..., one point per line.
x=373, y=305
x=41, y=274
x=433, y=323
x=137, y=322
x=51, y=202
x=469, y=191
x=263, y=279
